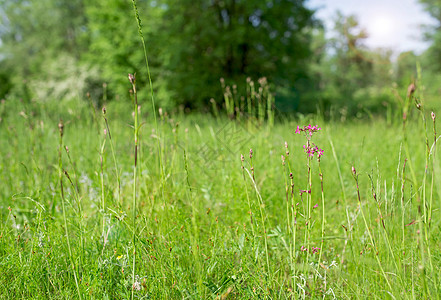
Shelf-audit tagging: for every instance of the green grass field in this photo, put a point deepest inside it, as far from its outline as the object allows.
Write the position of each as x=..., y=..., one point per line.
x=203, y=226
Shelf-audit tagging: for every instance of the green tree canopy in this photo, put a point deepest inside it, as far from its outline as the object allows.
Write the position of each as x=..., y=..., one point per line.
x=432, y=57
x=190, y=44
x=36, y=32
x=205, y=40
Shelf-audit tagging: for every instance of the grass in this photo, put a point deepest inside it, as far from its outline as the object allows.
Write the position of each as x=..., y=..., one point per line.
x=206, y=224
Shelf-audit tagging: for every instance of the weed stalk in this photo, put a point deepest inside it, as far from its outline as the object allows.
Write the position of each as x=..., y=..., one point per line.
x=63, y=200
x=112, y=148
x=195, y=236
x=132, y=80
x=354, y=174
x=261, y=204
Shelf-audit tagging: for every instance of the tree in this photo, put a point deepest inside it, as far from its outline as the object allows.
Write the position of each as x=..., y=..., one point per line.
x=115, y=46
x=432, y=57
x=190, y=45
x=346, y=67
x=34, y=33
x=406, y=70
x=204, y=40
x=353, y=78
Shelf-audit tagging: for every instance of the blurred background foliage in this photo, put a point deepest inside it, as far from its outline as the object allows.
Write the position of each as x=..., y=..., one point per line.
x=65, y=49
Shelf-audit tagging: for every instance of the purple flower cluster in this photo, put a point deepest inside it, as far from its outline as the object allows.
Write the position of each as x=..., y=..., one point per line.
x=311, y=150
x=307, y=129
x=313, y=249
x=304, y=191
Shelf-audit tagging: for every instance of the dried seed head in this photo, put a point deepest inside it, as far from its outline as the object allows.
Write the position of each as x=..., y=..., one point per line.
x=132, y=78
x=417, y=104
x=61, y=127
x=262, y=81
x=411, y=89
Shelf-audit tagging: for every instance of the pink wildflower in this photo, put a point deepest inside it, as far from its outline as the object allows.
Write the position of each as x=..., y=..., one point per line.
x=320, y=152
x=308, y=129
x=311, y=150
x=304, y=191
x=315, y=249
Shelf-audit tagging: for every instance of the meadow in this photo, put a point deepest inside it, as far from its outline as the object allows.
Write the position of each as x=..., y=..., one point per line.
x=198, y=206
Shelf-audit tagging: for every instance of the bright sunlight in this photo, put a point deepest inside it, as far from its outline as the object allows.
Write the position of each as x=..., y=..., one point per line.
x=382, y=29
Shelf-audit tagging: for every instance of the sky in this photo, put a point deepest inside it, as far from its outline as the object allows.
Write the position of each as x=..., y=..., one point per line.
x=393, y=24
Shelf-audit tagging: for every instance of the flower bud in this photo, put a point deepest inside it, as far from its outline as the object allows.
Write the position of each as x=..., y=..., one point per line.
x=132, y=78
x=61, y=127
x=411, y=89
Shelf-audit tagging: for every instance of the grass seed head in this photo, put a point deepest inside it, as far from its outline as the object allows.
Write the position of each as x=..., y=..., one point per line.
x=61, y=127
x=411, y=89
x=132, y=78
